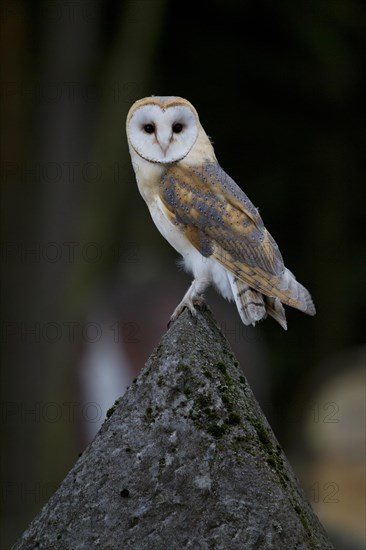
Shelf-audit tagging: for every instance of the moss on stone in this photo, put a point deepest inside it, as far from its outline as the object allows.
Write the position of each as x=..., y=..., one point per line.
x=185, y=369
x=271, y=462
x=233, y=419
x=273, y=458
x=217, y=430
x=112, y=409
x=187, y=392
x=203, y=400
x=221, y=366
x=223, y=369
x=133, y=522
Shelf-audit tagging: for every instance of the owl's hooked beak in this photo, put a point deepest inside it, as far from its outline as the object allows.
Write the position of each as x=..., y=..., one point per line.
x=164, y=140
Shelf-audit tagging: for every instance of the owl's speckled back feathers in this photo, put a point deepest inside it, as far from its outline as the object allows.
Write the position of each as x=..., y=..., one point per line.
x=220, y=221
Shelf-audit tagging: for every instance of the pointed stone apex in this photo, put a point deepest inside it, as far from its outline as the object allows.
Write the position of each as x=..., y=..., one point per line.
x=186, y=460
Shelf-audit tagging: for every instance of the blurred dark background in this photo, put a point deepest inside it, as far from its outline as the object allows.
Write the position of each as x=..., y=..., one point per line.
x=88, y=283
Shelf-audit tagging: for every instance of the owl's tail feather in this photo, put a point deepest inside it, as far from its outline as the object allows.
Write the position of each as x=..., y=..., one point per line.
x=276, y=310
x=250, y=303
x=253, y=306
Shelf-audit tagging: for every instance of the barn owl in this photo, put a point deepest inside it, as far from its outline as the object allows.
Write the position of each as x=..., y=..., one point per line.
x=206, y=216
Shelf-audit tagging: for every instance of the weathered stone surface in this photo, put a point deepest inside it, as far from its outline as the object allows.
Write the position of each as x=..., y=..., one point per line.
x=186, y=460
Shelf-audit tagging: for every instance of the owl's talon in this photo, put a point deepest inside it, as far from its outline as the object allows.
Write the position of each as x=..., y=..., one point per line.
x=199, y=303
x=186, y=304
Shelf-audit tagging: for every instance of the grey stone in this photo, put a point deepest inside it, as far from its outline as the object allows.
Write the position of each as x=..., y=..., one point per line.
x=185, y=460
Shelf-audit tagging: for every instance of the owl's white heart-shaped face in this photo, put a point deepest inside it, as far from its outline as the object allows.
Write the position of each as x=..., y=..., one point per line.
x=162, y=134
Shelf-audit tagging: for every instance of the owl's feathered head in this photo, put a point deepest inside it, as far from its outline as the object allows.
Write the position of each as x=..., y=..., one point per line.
x=162, y=129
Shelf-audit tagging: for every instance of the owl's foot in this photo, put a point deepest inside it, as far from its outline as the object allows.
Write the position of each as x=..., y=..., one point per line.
x=192, y=298
x=189, y=304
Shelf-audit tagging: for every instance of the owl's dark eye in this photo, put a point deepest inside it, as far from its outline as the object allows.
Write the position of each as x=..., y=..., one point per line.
x=149, y=128
x=177, y=127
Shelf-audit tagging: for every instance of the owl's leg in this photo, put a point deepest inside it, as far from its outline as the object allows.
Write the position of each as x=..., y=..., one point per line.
x=193, y=296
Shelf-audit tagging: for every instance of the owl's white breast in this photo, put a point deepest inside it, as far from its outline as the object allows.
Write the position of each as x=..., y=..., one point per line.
x=148, y=177
x=170, y=232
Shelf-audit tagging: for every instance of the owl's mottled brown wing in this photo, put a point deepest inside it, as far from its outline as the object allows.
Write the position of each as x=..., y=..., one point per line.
x=221, y=222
